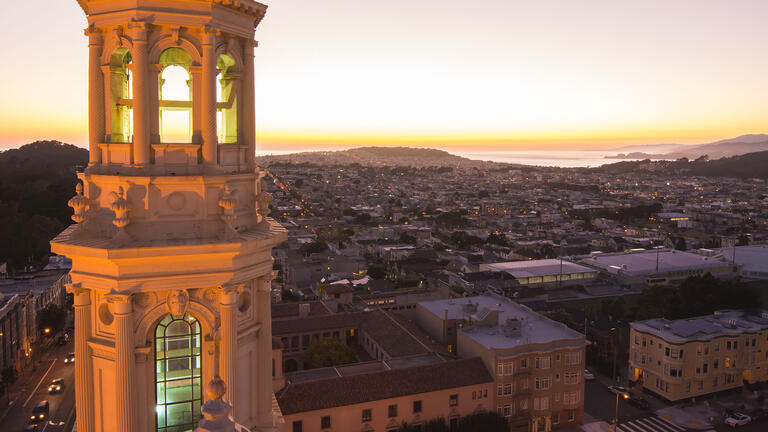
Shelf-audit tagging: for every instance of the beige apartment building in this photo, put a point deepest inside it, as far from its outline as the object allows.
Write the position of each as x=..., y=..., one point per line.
x=380, y=396
x=696, y=356
x=537, y=363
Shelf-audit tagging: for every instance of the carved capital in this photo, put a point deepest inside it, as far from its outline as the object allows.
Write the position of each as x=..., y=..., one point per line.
x=138, y=30
x=120, y=302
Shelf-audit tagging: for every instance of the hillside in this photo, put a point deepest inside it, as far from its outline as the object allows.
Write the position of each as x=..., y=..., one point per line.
x=36, y=181
x=750, y=165
x=719, y=149
x=376, y=156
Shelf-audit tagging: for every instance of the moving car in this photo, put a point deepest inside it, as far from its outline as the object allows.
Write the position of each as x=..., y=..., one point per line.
x=588, y=376
x=56, y=386
x=70, y=358
x=639, y=402
x=619, y=390
x=31, y=428
x=737, y=419
x=40, y=412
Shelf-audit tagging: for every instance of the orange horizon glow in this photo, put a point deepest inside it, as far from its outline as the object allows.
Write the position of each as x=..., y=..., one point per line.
x=594, y=74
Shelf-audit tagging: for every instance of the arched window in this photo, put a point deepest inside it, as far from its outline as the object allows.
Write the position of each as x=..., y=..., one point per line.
x=175, y=96
x=177, y=374
x=121, y=111
x=226, y=97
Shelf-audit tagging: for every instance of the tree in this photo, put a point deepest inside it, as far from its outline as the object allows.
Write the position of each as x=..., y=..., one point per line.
x=497, y=238
x=317, y=246
x=680, y=244
x=377, y=271
x=52, y=318
x=327, y=352
x=407, y=238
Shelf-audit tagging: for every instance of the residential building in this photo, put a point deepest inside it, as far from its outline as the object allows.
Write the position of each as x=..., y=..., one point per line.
x=537, y=363
x=381, y=396
x=693, y=357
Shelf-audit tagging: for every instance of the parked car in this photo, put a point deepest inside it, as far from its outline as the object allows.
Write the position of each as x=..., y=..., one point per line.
x=40, y=412
x=70, y=358
x=56, y=386
x=639, y=403
x=737, y=419
x=619, y=390
x=588, y=376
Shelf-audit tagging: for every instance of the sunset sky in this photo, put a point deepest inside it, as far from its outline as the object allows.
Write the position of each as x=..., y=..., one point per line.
x=487, y=73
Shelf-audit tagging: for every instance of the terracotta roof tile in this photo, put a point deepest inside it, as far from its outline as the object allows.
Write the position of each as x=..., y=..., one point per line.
x=350, y=390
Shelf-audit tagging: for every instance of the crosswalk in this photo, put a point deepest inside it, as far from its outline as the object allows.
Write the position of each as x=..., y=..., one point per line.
x=649, y=424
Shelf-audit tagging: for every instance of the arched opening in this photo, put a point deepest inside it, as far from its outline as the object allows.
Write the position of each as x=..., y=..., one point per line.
x=178, y=389
x=121, y=111
x=227, y=92
x=175, y=96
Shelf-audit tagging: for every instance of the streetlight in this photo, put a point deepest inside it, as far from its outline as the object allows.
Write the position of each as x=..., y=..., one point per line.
x=616, y=416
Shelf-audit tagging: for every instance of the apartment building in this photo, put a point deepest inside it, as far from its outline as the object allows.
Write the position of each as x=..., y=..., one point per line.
x=380, y=396
x=537, y=364
x=696, y=356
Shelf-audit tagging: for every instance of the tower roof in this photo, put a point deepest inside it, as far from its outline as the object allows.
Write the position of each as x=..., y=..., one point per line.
x=249, y=7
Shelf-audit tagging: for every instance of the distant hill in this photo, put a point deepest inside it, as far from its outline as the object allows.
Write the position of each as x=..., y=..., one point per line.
x=719, y=149
x=750, y=165
x=36, y=181
x=377, y=156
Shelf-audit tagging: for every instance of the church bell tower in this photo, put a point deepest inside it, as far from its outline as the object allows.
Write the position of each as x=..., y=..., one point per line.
x=171, y=249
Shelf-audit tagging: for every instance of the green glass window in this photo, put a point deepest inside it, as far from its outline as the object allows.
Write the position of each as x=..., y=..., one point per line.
x=177, y=369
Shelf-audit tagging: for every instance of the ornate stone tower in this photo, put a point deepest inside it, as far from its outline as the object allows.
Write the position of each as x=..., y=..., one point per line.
x=171, y=252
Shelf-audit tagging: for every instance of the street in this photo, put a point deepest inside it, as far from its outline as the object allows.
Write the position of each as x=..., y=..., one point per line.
x=32, y=387
x=600, y=404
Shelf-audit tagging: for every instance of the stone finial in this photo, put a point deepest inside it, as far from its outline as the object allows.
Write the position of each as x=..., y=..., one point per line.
x=262, y=201
x=216, y=411
x=120, y=207
x=79, y=204
x=216, y=388
x=228, y=202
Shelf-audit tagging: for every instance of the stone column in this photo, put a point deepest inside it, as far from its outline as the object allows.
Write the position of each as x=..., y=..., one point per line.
x=228, y=340
x=124, y=362
x=140, y=104
x=264, y=356
x=208, y=105
x=153, y=86
x=96, y=123
x=83, y=367
x=247, y=125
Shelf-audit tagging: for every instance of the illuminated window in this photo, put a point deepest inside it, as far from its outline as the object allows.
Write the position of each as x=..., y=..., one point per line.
x=177, y=368
x=120, y=95
x=175, y=96
x=226, y=98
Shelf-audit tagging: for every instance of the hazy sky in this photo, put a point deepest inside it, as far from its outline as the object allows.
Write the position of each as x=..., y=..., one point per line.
x=569, y=73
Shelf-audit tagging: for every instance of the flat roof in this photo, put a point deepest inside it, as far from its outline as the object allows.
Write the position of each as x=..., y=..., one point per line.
x=534, y=268
x=721, y=323
x=534, y=328
x=641, y=262
x=751, y=258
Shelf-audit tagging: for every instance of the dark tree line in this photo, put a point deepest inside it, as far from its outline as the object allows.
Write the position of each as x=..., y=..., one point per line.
x=36, y=181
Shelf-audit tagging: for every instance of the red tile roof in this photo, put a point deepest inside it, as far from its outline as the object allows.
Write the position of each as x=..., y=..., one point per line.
x=350, y=390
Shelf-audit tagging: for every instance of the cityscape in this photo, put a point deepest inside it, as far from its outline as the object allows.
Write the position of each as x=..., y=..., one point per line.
x=178, y=265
